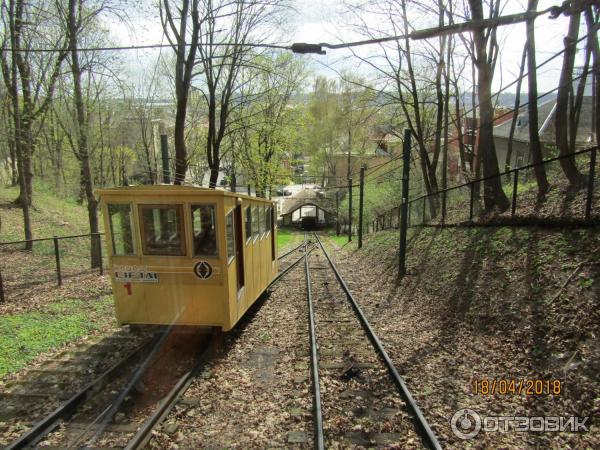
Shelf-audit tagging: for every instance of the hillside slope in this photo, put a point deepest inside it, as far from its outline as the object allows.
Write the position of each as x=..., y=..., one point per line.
x=50, y=215
x=490, y=303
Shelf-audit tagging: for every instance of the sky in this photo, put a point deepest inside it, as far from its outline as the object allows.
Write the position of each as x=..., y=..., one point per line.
x=317, y=21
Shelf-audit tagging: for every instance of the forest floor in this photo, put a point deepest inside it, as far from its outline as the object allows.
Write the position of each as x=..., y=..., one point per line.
x=489, y=304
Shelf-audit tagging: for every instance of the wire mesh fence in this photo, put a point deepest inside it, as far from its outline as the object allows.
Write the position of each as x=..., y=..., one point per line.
x=464, y=204
x=49, y=261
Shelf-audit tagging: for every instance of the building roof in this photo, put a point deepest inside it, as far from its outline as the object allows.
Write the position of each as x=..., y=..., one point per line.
x=546, y=120
x=305, y=197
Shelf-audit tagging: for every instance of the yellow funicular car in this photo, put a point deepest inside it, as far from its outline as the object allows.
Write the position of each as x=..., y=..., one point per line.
x=186, y=255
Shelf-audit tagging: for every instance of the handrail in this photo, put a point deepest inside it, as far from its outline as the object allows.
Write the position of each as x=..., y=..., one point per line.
x=507, y=172
x=52, y=238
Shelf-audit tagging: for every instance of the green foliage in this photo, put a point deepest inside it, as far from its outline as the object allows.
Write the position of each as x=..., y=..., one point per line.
x=380, y=197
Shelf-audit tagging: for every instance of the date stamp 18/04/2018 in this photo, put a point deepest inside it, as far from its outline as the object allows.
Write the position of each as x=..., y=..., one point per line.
x=516, y=386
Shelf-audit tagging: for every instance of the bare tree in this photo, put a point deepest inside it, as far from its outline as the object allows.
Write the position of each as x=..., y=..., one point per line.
x=564, y=100
x=535, y=147
x=182, y=30
x=30, y=79
x=224, y=50
x=484, y=57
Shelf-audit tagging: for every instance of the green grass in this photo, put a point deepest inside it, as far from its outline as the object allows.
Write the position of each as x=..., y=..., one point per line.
x=287, y=237
x=50, y=215
x=24, y=336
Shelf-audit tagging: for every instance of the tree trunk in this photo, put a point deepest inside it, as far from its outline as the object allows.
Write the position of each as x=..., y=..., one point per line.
x=516, y=107
x=493, y=195
x=82, y=134
x=534, y=136
x=562, y=104
x=595, y=50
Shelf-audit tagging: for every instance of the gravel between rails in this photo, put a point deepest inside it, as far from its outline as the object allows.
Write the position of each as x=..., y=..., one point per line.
x=361, y=405
x=256, y=393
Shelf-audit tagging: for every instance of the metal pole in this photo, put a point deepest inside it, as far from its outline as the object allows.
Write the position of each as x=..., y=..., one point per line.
x=337, y=213
x=1, y=288
x=164, y=150
x=361, y=203
x=100, y=252
x=349, y=209
x=590, y=193
x=404, y=204
x=443, y=208
x=514, y=196
x=57, y=258
x=471, y=205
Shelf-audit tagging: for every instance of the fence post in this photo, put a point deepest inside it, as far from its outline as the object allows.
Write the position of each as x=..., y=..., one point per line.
x=1, y=288
x=100, y=253
x=57, y=257
x=337, y=213
x=349, y=209
x=361, y=201
x=164, y=150
x=590, y=193
x=404, y=204
x=443, y=207
x=514, y=196
x=472, y=185
x=249, y=190
x=424, y=206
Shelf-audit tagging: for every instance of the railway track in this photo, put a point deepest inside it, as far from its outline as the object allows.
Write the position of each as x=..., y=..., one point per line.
x=359, y=397
x=66, y=378
x=110, y=411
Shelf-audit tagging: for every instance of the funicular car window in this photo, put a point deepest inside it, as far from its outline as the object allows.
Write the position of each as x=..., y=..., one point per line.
x=229, y=235
x=162, y=230
x=255, y=230
x=119, y=215
x=263, y=228
x=267, y=219
x=248, y=223
x=205, y=230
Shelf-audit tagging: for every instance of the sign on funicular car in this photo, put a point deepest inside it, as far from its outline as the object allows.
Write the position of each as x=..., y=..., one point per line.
x=134, y=274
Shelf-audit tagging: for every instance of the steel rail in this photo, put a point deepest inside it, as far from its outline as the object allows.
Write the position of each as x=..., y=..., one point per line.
x=314, y=361
x=425, y=430
x=291, y=251
x=52, y=420
x=287, y=269
x=108, y=414
x=144, y=434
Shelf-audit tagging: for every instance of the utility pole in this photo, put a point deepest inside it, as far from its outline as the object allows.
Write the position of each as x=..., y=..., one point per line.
x=361, y=203
x=404, y=204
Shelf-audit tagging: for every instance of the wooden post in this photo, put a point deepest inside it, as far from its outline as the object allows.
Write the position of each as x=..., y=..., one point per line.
x=57, y=258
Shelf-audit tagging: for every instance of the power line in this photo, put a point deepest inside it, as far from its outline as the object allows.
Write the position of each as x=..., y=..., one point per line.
x=515, y=81
x=304, y=48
